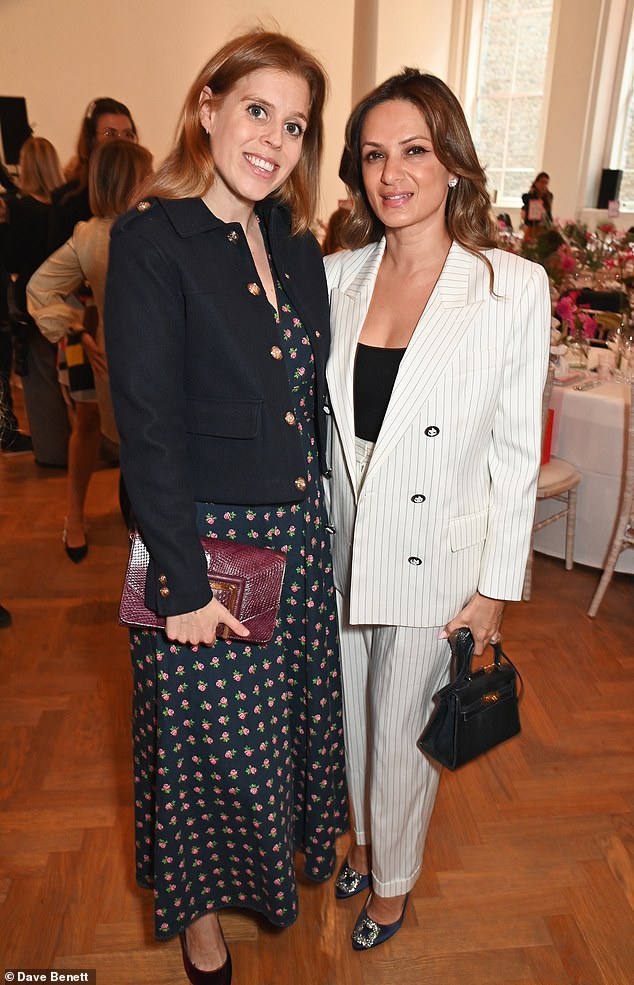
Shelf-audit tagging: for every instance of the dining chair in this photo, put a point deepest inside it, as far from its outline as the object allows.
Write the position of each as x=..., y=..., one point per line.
x=623, y=536
x=558, y=480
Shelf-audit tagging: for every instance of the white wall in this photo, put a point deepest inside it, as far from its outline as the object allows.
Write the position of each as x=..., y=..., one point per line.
x=578, y=35
x=390, y=34
x=587, y=42
x=60, y=54
x=415, y=33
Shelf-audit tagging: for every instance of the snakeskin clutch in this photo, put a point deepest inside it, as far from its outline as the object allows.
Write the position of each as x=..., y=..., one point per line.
x=247, y=580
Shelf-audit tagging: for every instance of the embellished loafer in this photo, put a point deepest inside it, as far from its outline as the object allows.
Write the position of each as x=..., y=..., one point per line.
x=219, y=976
x=368, y=933
x=349, y=882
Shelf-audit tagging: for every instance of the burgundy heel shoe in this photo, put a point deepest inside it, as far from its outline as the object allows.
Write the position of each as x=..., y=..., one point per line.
x=219, y=976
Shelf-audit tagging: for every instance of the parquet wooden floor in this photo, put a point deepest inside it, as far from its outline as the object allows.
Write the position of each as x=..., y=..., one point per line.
x=529, y=870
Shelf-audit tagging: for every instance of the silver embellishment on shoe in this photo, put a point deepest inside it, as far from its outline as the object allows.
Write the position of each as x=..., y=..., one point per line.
x=348, y=880
x=366, y=932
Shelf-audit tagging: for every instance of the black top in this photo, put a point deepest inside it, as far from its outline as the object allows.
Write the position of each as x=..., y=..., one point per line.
x=70, y=204
x=26, y=245
x=375, y=371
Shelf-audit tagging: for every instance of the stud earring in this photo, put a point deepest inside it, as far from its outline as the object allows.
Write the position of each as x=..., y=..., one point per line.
x=453, y=182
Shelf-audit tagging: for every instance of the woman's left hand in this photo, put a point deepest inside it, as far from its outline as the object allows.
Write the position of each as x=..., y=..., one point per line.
x=483, y=616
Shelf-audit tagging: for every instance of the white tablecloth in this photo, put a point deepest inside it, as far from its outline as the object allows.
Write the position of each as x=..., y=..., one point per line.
x=589, y=432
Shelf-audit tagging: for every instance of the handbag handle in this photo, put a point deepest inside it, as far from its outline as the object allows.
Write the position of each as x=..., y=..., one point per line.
x=462, y=646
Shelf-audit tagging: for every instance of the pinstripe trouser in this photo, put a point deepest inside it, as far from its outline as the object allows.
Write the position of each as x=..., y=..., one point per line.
x=389, y=674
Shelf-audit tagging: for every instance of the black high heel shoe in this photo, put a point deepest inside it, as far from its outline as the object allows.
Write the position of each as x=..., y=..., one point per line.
x=76, y=554
x=219, y=976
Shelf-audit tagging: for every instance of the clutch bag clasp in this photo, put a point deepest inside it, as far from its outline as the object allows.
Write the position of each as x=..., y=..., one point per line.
x=231, y=592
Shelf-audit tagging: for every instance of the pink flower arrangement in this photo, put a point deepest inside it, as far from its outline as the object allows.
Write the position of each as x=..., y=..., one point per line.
x=566, y=259
x=573, y=316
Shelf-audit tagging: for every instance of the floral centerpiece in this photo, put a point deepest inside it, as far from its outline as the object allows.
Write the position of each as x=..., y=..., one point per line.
x=549, y=249
x=578, y=326
x=575, y=318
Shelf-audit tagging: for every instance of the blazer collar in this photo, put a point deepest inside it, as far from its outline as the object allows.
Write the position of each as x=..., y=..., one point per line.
x=190, y=216
x=464, y=278
x=463, y=284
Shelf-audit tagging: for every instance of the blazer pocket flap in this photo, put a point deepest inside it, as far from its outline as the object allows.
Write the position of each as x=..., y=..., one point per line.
x=224, y=418
x=465, y=531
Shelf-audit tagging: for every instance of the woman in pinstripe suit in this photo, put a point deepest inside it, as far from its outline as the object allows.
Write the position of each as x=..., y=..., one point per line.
x=438, y=359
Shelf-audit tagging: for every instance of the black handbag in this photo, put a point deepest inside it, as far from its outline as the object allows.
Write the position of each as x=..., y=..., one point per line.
x=476, y=710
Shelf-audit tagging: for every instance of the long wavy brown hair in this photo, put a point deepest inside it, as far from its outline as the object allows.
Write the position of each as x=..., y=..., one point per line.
x=468, y=209
x=188, y=171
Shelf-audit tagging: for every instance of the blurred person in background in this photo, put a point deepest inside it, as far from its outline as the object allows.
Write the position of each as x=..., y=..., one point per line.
x=117, y=167
x=105, y=119
x=24, y=248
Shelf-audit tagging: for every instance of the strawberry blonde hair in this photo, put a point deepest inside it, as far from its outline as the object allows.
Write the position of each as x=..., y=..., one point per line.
x=188, y=171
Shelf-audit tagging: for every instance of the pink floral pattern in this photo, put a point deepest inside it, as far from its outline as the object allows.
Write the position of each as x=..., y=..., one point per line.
x=238, y=749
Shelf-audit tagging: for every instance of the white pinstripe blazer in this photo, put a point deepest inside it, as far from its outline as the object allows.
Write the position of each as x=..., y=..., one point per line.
x=446, y=505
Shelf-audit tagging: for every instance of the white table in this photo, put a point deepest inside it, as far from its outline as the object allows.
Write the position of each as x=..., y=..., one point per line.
x=589, y=432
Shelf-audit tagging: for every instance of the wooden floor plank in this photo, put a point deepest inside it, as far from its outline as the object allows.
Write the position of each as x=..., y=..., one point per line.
x=528, y=877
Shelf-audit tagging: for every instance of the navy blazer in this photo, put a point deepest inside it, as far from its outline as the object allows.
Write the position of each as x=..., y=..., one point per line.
x=200, y=393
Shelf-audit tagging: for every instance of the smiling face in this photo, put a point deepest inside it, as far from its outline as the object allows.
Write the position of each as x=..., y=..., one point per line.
x=255, y=132
x=404, y=181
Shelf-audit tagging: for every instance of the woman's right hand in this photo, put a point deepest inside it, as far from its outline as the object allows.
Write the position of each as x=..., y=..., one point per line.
x=96, y=356
x=200, y=625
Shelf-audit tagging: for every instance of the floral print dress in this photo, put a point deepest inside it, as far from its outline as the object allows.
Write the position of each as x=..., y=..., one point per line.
x=238, y=748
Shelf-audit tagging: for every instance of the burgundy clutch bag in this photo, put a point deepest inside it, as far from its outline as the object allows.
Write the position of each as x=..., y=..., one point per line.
x=246, y=579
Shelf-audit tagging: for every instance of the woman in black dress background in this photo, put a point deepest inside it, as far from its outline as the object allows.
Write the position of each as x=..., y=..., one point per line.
x=25, y=248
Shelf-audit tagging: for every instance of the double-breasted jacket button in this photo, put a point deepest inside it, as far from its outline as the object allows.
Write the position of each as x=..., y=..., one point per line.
x=414, y=560
x=162, y=579
x=327, y=473
x=276, y=352
x=317, y=335
x=418, y=498
x=288, y=276
x=233, y=237
x=326, y=409
x=289, y=418
x=164, y=591
x=300, y=483
x=143, y=206
x=331, y=530
x=432, y=431
x=253, y=288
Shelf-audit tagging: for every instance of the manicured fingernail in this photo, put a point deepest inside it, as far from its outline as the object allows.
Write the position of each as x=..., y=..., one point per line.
x=443, y=635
